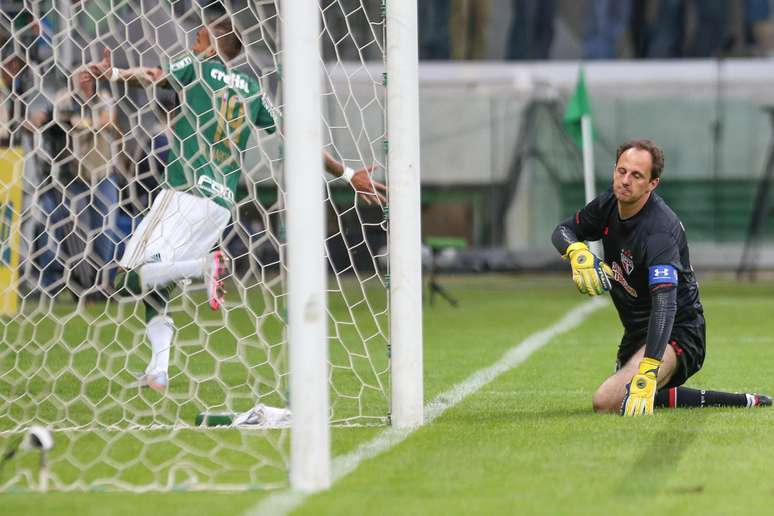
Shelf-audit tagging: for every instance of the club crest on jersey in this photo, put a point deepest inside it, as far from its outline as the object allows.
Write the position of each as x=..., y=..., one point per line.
x=619, y=277
x=627, y=260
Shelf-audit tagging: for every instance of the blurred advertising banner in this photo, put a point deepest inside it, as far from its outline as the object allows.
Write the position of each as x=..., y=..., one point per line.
x=11, y=165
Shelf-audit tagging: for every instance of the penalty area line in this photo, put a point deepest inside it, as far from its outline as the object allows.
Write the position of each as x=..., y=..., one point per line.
x=283, y=502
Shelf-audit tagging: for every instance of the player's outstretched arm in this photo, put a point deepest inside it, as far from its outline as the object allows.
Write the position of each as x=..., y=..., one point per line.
x=372, y=192
x=138, y=76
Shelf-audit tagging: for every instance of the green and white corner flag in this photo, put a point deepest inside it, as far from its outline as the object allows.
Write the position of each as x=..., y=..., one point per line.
x=577, y=120
x=577, y=107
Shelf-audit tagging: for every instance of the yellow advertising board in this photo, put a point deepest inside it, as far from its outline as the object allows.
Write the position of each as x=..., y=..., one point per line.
x=11, y=165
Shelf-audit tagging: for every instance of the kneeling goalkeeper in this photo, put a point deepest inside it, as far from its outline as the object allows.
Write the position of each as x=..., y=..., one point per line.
x=648, y=271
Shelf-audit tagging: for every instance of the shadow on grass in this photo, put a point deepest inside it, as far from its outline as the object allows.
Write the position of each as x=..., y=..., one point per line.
x=651, y=470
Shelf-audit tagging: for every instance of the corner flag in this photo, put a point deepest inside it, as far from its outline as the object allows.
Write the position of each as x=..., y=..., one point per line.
x=577, y=107
x=577, y=121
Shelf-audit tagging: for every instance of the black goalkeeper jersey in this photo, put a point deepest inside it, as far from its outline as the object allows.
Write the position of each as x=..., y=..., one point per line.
x=640, y=250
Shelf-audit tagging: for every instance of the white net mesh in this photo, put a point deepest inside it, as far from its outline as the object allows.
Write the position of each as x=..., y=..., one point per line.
x=76, y=179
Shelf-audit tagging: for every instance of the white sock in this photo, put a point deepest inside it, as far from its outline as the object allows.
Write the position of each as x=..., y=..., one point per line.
x=160, y=331
x=154, y=275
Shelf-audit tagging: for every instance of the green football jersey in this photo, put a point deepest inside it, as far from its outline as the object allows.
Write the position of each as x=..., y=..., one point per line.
x=211, y=130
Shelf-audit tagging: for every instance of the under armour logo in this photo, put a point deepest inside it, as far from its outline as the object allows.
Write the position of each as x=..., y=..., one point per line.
x=661, y=273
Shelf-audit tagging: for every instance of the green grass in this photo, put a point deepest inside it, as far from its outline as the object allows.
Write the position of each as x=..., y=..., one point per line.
x=72, y=367
x=528, y=443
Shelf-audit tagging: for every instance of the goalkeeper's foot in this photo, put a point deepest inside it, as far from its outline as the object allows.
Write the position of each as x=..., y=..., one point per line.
x=214, y=272
x=758, y=400
x=156, y=381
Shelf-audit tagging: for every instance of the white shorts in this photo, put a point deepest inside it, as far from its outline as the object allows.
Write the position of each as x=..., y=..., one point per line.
x=179, y=226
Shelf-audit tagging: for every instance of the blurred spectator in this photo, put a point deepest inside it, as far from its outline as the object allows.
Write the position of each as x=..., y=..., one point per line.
x=666, y=36
x=433, y=29
x=712, y=28
x=351, y=29
x=50, y=233
x=19, y=27
x=12, y=104
x=606, y=22
x=710, y=38
x=638, y=27
x=468, y=24
x=532, y=30
x=147, y=166
x=79, y=199
x=151, y=160
x=757, y=26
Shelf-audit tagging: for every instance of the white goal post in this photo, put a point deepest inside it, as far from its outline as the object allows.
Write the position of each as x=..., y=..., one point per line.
x=405, y=217
x=307, y=302
x=310, y=452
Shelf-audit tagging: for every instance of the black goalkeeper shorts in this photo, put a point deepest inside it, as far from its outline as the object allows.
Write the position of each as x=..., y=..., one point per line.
x=688, y=339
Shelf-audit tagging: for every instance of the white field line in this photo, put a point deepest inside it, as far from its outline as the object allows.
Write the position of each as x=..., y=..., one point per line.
x=283, y=502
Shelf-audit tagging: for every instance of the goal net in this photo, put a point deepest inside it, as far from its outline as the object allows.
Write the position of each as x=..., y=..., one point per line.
x=78, y=176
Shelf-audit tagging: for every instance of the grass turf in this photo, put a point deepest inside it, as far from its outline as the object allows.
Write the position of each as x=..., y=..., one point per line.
x=527, y=442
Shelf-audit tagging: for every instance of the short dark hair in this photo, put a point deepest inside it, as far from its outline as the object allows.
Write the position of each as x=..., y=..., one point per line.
x=656, y=154
x=226, y=38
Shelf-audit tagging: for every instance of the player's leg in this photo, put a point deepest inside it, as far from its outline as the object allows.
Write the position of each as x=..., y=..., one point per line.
x=149, y=276
x=684, y=356
x=173, y=243
x=688, y=341
x=145, y=244
x=685, y=397
x=211, y=267
x=609, y=396
x=175, y=246
x=160, y=332
x=199, y=226
x=127, y=281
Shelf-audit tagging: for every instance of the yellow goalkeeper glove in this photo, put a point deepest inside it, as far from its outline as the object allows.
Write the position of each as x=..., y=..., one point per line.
x=589, y=273
x=641, y=391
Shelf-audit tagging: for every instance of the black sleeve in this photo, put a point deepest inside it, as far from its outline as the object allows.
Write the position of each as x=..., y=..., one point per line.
x=662, y=249
x=563, y=236
x=662, y=316
x=662, y=257
x=586, y=224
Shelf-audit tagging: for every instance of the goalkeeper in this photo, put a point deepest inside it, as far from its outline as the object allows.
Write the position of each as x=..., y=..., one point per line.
x=647, y=270
x=210, y=132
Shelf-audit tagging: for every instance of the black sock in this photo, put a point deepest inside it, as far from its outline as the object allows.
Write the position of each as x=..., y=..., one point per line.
x=684, y=397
